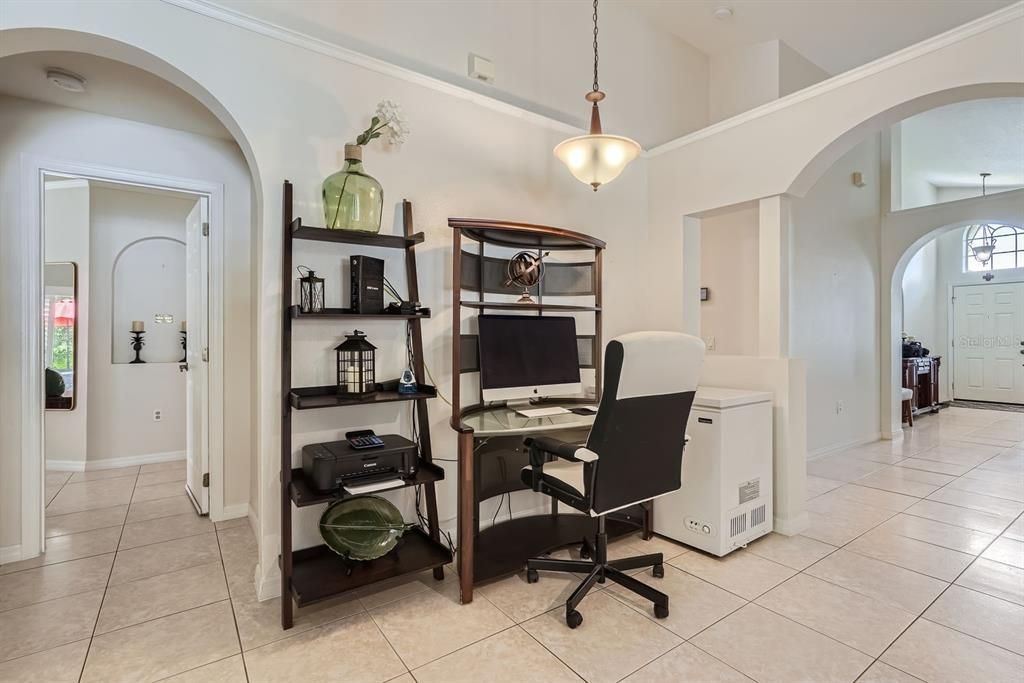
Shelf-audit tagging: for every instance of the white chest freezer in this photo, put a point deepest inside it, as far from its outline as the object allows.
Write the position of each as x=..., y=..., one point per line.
x=726, y=497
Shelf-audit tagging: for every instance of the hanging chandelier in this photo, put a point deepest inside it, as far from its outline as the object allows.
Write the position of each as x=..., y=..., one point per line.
x=596, y=159
x=981, y=238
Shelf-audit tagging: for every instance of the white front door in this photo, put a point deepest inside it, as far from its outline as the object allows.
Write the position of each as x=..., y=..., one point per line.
x=988, y=343
x=197, y=269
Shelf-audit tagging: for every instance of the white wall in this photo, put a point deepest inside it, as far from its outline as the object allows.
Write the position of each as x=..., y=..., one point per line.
x=66, y=238
x=123, y=396
x=834, y=300
x=796, y=72
x=921, y=298
x=55, y=133
x=728, y=267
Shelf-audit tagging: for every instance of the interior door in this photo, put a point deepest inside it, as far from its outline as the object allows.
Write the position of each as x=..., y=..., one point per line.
x=988, y=344
x=197, y=268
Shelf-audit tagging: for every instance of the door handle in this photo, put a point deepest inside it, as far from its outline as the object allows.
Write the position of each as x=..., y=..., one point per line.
x=183, y=367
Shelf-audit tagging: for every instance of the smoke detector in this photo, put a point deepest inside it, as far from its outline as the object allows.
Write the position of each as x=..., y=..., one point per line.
x=66, y=80
x=722, y=13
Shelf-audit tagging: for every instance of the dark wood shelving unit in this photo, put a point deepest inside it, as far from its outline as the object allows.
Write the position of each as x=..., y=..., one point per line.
x=303, y=494
x=314, y=574
x=513, y=306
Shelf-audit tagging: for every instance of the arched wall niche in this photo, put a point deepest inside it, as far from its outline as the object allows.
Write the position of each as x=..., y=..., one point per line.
x=148, y=279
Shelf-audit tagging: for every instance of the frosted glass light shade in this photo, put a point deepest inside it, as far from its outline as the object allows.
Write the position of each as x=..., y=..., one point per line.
x=597, y=159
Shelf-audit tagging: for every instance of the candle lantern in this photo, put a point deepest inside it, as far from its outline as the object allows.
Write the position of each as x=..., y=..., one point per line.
x=355, y=365
x=311, y=292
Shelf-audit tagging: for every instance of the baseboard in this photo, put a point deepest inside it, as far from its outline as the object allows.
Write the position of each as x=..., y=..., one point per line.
x=234, y=512
x=114, y=463
x=10, y=553
x=828, y=450
x=791, y=526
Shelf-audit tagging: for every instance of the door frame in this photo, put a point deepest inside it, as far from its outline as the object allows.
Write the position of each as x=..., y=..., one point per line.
x=951, y=324
x=32, y=170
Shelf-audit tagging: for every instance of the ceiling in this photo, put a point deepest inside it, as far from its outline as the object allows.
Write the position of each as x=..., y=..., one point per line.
x=112, y=88
x=949, y=146
x=837, y=35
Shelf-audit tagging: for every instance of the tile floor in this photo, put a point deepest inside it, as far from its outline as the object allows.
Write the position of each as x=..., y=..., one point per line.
x=912, y=569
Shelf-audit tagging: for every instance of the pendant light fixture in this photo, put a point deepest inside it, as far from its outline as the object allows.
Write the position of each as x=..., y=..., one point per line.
x=981, y=238
x=596, y=159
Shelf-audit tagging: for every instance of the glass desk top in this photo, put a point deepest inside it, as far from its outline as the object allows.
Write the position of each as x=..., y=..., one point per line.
x=505, y=421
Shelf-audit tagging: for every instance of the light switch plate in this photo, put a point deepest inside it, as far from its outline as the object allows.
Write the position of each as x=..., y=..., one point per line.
x=481, y=68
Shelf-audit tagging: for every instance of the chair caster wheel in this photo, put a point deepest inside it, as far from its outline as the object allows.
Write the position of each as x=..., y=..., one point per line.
x=658, y=571
x=585, y=553
x=532, y=576
x=660, y=612
x=573, y=618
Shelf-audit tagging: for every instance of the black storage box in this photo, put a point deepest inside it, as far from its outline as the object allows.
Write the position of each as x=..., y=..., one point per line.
x=329, y=465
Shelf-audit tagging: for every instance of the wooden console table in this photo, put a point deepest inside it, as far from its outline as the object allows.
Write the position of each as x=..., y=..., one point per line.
x=921, y=375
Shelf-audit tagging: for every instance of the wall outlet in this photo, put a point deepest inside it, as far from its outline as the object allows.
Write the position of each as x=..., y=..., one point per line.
x=710, y=343
x=840, y=407
x=157, y=416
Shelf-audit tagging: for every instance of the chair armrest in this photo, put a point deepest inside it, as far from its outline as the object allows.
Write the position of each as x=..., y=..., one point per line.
x=539, y=445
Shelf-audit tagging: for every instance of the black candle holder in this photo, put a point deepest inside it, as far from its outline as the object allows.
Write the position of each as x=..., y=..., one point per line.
x=137, y=344
x=184, y=346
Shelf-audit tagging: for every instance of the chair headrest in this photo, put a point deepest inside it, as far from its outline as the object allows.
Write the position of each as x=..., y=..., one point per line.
x=656, y=363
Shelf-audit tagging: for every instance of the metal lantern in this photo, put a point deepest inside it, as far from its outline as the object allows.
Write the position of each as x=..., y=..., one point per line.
x=311, y=292
x=982, y=238
x=355, y=358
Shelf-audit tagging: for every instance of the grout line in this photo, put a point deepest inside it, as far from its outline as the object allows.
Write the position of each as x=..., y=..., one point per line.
x=231, y=604
x=167, y=678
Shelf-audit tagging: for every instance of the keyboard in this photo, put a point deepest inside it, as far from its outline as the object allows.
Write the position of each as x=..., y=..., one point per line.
x=542, y=412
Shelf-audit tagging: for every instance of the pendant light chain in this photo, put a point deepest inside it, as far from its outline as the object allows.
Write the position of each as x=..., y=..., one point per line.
x=596, y=88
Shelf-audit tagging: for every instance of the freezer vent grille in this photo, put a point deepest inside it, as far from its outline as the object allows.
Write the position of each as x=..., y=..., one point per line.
x=757, y=516
x=738, y=524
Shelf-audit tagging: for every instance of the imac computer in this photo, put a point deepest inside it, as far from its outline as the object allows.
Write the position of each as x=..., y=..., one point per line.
x=523, y=357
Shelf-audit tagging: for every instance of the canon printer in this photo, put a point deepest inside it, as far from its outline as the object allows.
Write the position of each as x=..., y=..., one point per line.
x=329, y=465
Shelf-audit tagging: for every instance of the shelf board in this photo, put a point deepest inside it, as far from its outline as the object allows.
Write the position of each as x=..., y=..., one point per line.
x=318, y=573
x=513, y=306
x=306, y=398
x=342, y=313
x=304, y=494
x=305, y=232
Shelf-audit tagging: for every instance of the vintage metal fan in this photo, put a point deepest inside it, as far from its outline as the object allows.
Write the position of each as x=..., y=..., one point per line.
x=525, y=269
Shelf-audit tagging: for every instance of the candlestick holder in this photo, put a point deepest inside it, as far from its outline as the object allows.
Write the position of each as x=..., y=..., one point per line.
x=137, y=344
x=184, y=346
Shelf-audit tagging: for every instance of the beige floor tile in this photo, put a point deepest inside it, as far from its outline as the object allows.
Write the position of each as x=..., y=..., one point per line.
x=961, y=454
x=54, y=581
x=693, y=604
x=768, y=648
x=60, y=665
x=613, y=641
x=430, y=624
x=853, y=619
x=922, y=464
x=880, y=672
x=230, y=670
x=57, y=478
x=1008, y=490
x=231, y=523
x=164, y=529
x=404, y=678
x=162, y=507
x=161, y=477
x=918, y=556
x=163, y=647
x=70, y=547
x=511, y=655
x=160, y=558
x=892, y=585
x=687, y=663
x=318, y=655
x=886, y=456
x=1010, y=462
x=1015, y=530
x=980, y=474
x=1007, y=551
x=959, y=516
x=1000, y=507
x=158, y=596
x=259, y=623
x=739, y=572
x=90, y=495
x=819, y=485
x=796, y=552
x=51, y=492
x=876, y=498
x=382, y=593
x=76, y=522
x=171, y=465
x=47, y=625
x=96, y=475
x=520, y=600
x=837, y=521
x=157, y=491
x=941, y=655
x=842, y=469
x=656, y=544
x=990, y=619
x=938, y=533
x=995, y=578
x=906, y=481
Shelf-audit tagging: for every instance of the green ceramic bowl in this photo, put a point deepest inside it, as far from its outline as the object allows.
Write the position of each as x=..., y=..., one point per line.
x=362, y=527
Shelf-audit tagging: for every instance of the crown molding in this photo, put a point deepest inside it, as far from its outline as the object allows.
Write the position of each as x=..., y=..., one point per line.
x=1002, y=16
x=345, y=54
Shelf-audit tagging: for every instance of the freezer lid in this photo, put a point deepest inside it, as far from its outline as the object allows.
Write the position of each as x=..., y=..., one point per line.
x=717, y=397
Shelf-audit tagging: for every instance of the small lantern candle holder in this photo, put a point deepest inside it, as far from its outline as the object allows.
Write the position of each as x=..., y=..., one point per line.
x=311, y=291
x=137, y=344
x=355, y=366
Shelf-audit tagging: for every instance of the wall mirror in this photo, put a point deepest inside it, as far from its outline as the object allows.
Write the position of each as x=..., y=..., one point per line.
x=60, y=334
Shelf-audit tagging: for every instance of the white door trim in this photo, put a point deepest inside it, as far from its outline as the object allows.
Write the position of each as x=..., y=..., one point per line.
x=32, y=168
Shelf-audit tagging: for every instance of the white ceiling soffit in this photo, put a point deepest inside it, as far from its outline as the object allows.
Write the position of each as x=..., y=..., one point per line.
x=837, y=35
x=112, y=88
x=949, y=146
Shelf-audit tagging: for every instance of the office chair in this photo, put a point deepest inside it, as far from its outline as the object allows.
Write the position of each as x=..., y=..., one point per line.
x=634, y=454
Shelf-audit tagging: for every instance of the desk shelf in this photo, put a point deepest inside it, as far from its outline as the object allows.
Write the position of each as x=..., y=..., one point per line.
x=513, y=306
x=349, y=314
x=299, y=231
x=304, y=495
x=327, y=396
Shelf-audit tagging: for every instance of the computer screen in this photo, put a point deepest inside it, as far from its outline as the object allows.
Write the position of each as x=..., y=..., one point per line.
x=528, y=356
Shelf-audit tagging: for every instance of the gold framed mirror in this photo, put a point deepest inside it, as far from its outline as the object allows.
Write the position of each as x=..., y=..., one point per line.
x=60, y=334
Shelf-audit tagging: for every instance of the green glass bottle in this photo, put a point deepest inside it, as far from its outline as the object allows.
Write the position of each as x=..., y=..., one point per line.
x=352, y=199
